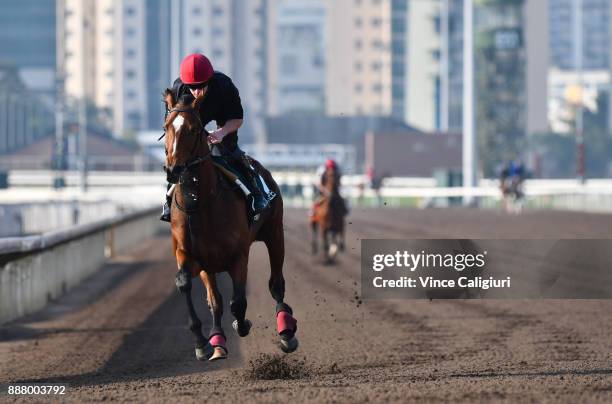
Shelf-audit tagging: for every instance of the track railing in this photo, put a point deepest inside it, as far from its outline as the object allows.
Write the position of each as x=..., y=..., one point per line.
x=37, y=269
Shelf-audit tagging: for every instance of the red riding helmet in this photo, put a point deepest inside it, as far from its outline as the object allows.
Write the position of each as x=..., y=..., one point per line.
x=330, y=163
x=196, y=69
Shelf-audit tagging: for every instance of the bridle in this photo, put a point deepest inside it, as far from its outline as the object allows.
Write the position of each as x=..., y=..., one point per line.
x=195, y=160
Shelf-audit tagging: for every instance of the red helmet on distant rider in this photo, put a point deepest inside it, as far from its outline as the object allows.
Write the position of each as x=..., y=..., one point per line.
x=330, y=163
x=196, y=69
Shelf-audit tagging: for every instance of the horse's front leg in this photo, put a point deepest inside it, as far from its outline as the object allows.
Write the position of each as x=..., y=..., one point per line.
x=238, y=304
x=216, y=337
x=186, y=267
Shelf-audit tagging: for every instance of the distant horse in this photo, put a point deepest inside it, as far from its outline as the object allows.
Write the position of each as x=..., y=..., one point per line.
x=211, y=232
x=328, y=218
x=512, y=194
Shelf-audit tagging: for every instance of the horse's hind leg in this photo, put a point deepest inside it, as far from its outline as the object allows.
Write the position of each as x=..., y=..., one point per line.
x=285, y=322
x=315, y=242
x=216, y=337
x=183, y=283
x=238, y=304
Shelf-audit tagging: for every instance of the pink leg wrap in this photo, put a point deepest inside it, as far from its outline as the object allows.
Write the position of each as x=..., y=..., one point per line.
x=285, y=322
x=217, y=340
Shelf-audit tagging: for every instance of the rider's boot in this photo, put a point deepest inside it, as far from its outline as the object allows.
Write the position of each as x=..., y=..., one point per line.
x=258, y=201
x=165, y=216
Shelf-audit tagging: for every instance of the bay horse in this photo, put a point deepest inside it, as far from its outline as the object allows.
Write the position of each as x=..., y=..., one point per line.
x=211, y=232
x=328, y=218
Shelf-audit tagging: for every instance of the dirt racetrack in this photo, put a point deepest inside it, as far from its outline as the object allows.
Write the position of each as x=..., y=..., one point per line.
x=122, y=334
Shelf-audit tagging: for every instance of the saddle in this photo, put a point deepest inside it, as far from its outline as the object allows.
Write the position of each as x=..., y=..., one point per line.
x=235, y=179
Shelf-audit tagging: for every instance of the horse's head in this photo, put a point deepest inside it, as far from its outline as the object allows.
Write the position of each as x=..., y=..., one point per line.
x=184, y=135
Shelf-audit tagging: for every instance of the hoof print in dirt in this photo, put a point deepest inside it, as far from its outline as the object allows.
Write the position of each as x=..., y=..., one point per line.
x=277, y=367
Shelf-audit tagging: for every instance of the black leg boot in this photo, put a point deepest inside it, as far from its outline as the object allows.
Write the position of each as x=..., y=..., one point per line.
x=165, y=216
x=258, y=200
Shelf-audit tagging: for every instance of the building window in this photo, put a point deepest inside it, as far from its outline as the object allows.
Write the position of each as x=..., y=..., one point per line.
x=217, y=11
x=358, y=22
x=376, y=66
x=130, y=74
x=358, y=66
x=288, y=65
x=358, y=88
x=358, y=44
x=217, y=53
x=130, y=32
x=196, y=32
x=377, y=88
x=376, y=22
x=130, y=11
x=130, y=53
x=196, y=11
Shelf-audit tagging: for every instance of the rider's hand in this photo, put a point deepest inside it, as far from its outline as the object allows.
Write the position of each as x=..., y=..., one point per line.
x=216, y=136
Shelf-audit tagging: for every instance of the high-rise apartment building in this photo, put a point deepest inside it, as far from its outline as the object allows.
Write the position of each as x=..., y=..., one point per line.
x=27, y=71
x=358, y=57
x=121, y=54
x=596, y=22
x=296, y=56
x=27, y=42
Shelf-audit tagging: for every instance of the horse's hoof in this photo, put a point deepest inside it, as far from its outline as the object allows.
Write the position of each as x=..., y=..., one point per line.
x=218, y=353
x=182, y=280
x=333, y=250
x=204, y=352
x=289, y=345
x=244, y=331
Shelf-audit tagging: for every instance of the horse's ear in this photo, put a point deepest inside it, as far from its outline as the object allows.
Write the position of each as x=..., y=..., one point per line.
x=169, y=98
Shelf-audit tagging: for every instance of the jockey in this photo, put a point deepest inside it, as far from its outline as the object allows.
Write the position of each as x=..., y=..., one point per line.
x=220, y=103
x=330, y=166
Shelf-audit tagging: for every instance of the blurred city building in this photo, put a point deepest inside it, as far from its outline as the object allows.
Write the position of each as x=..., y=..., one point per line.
x=296, y=56
x=579, y=68
x=121, y=55
x=105, y=153
x=511, y=77
x=595, y=37
x=24, y=114
x=325, y=130
x=423, y=81
x=412, y=154
x=27, y=42
x=358, y=58
x=565, y=94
